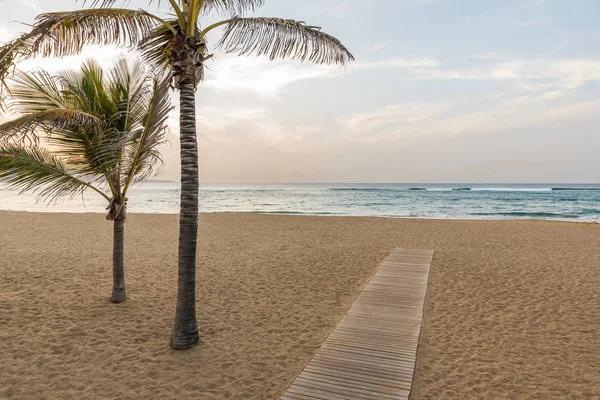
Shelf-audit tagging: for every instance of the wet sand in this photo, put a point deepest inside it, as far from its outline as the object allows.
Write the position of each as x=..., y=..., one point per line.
x=512, y=312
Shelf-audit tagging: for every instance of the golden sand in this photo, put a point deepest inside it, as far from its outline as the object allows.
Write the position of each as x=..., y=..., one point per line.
x=512, y=312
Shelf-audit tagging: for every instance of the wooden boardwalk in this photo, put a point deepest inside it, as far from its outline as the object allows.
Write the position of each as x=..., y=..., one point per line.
x=371, y=354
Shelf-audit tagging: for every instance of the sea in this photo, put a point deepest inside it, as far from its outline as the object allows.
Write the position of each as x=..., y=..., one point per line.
x=436, y=201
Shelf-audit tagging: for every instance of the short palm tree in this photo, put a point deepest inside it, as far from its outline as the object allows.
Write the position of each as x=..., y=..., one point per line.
x=102, y=130
x=179, y=45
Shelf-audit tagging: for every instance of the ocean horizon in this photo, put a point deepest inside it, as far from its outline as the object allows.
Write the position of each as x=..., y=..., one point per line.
x=571, y=202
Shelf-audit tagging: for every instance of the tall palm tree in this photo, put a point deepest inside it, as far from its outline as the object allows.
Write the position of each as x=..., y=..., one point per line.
x=102, y=130
x=179, y=45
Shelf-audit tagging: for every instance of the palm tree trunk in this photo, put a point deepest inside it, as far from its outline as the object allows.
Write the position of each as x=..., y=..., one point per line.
x=185, y=330
x=118, y=293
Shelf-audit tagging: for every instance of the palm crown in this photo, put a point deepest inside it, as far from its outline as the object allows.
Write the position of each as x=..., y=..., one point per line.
x=177, y=44
x=103, y=129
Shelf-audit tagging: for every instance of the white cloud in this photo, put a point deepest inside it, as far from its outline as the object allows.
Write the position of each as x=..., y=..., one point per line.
x=439, y=119
x=379, y=46
x=219, y=118
x=267, y=78
x=569, y=73
x=104, y=55
x=509, y=116
x=544, y=97
x=394, y=116
x=408, y=64
x=260, y=75
x=218, y=125
x=334, y=8
x=32, y=5
x=545, y=93
x=6, y=34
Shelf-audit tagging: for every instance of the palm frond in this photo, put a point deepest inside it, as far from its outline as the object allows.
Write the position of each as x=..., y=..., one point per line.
x=44, y=105
x=161, y=45
x=88, y=91
x=90, y=152
x=128, y=84
x=36, y=91
x=65, y=33
x=143, y=154
x=10, y=54
x=231, y=7
x=101, y=3
x=26, y=126
x=281, y=38
x=110, y=3
x=36, y=170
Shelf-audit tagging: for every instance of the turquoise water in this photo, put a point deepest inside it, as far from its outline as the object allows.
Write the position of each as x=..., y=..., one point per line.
x=446, y=201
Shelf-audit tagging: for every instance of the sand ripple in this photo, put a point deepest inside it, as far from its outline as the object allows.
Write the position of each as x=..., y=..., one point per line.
x=513, y=309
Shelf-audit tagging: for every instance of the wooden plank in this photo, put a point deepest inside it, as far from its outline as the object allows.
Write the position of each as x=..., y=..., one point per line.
x=370, y=379
x=358, y=393
x=372, y=352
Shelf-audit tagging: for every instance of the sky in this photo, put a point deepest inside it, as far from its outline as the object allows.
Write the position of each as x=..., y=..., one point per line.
x=504, y=91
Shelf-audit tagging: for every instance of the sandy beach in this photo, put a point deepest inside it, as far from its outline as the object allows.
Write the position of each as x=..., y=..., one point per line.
x=512, y=312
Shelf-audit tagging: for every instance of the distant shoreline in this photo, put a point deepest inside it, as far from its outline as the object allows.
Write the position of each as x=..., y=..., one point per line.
x=572, y=220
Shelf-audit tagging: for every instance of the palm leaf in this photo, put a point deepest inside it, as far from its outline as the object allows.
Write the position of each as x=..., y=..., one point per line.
x=281, y=38
x=88, y=91
x=10, y=54
x=143, y=154
x=44, y=105
x=26, y=126
x=231, y=7
x=109, y=3
x=94, y=150
x=36, y=170
x=36, y=91
x=162, y=45
x=128, y=86
x=65, y=33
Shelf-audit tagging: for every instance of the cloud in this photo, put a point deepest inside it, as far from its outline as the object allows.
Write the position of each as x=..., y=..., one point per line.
x=393, y=116
x=267, y=78
x=573, y=72
x=379, y=46
x=216, y=119
x=211, y=118
x=532, y=81
x=32, y=5
x=260, y=75
x=509, y=117
x=218, y=126
x=6, y=34
x=544, y=92
x=404, y=121
x=105, y=55
x=334, y=8
x=408, y=64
